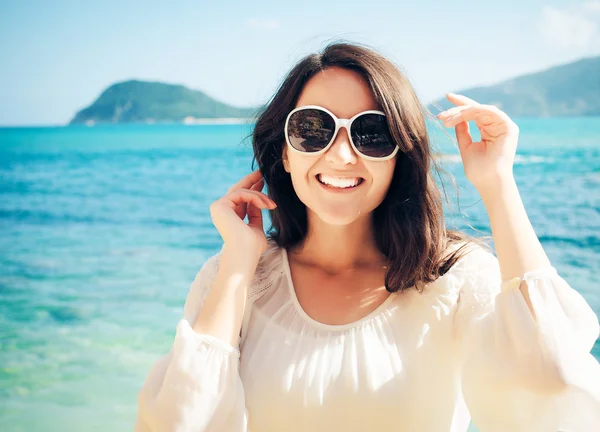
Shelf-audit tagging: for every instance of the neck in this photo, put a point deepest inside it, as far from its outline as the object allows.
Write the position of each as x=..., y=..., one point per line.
x=339, y=248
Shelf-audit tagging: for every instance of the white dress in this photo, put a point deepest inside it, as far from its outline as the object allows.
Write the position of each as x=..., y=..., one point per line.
x=466, y=347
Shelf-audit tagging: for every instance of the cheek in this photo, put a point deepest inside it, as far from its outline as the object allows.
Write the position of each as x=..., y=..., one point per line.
x=383, y=173
x=299, y=173
x=382, y=179
x=389, y=174
x=299, y=167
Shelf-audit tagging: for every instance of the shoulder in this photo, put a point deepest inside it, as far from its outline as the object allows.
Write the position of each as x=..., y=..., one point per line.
x=477, y=280
x=475, y=262
x=475, y=269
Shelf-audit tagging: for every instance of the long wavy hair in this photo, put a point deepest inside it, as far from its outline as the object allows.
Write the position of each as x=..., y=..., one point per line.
x=409, y=224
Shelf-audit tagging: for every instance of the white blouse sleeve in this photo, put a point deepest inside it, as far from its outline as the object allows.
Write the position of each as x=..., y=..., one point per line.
x=524, y=371
x=196, y=385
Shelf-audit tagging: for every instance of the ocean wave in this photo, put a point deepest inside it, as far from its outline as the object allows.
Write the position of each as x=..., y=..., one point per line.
x=585, y=243
x=519, y=159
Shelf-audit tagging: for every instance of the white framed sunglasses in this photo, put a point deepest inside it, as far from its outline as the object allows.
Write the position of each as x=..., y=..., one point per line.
x=311, y=129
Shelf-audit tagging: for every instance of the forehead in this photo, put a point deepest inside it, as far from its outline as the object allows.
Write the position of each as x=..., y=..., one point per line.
x=343, y=92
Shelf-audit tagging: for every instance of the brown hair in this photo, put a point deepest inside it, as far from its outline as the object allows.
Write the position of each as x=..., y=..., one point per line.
x=409, y=224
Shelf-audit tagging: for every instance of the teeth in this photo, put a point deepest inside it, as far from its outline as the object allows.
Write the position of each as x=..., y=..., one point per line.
x=340, y=182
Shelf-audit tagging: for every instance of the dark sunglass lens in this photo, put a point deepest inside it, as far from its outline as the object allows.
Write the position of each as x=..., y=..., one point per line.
x=371, y=135
x=310, y=130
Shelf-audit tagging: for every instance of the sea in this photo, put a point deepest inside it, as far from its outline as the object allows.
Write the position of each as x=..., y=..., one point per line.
x=103, y=229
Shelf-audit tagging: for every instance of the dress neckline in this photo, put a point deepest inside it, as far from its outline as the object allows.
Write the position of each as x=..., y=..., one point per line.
x=286, y=268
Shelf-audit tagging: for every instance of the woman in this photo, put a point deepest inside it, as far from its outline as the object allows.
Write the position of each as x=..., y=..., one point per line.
x=361, y=311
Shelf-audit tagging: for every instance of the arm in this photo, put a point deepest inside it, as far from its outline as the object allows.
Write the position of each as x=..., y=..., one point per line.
x=517, y=246
x=526, y=334
x=196, y=386
x=223, y=310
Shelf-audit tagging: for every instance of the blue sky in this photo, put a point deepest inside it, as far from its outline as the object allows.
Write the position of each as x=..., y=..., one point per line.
x=56, y=57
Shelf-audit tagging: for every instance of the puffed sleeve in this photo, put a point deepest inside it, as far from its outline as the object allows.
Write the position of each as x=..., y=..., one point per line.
x=524, y=371
x=195, y=386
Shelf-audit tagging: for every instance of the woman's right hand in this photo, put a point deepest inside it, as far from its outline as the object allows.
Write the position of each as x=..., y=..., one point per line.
x=228, y=214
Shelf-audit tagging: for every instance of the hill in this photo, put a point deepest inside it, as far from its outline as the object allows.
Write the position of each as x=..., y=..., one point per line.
x=148, y=102
x=571, y=89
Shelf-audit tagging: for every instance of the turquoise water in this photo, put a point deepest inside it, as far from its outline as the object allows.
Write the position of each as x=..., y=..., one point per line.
x=103, y=229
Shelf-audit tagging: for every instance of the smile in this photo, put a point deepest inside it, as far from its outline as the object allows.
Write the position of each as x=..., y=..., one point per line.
x=342, y=187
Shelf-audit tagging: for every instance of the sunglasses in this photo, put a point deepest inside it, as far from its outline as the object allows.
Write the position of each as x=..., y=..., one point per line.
x=312, y=129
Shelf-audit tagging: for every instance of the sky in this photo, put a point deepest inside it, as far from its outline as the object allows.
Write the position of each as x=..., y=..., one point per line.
x=56, y=57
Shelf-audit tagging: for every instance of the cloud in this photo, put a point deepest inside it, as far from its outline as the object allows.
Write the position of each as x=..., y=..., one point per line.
x=570, y=27
x=592, y=6
x=263, y=24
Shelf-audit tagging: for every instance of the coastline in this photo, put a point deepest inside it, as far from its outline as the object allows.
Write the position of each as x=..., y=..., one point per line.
x=215, y=121
x=186, y=121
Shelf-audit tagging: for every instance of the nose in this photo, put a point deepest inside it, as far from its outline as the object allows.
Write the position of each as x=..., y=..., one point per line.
x=341, y=151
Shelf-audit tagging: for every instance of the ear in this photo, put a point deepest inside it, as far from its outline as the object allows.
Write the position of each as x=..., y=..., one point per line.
x=286, y=163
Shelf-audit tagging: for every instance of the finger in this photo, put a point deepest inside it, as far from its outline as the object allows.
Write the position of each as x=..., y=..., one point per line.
x=268, y=201
x=238, y=201
x=258, y=185
x=255, y=218
x=247, y=181
x=481, y=114
x=463, y=136
x=458, y=99
x=241, y=196
x=451, y=112
x=496, y=130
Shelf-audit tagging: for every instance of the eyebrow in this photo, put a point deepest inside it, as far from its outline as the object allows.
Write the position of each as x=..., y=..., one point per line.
x=330, y=110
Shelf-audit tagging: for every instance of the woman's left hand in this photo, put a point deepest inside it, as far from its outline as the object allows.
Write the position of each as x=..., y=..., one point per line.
x=489, y=161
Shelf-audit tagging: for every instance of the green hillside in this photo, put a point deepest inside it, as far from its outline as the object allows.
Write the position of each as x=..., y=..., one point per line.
x=144, y=102
x=571, y=89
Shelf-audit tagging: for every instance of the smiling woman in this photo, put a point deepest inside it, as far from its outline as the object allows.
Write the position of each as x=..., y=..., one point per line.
x=360, y=310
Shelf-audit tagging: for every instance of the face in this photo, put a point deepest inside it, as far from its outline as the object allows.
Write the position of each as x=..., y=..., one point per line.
x=345, y=93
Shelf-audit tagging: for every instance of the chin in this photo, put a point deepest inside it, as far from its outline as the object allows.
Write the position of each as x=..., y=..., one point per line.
x=339, y=216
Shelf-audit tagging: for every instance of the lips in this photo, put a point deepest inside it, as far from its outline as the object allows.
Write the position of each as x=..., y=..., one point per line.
x=340, y=188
